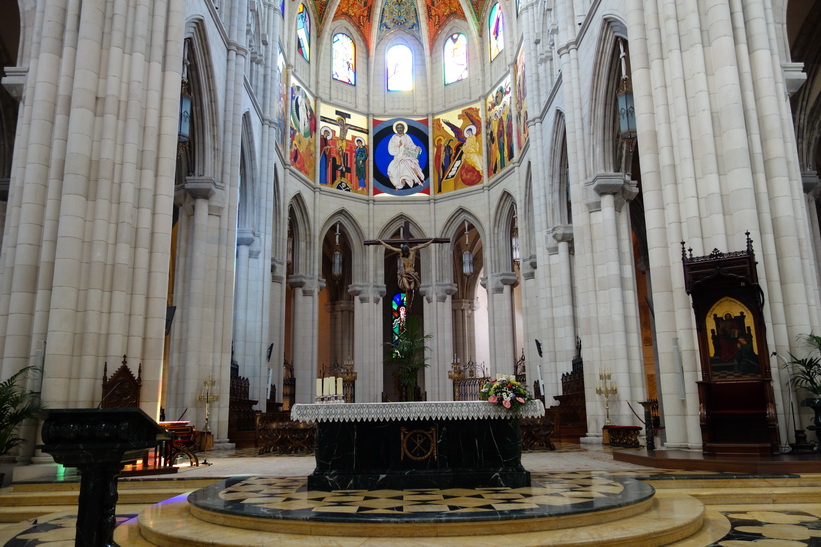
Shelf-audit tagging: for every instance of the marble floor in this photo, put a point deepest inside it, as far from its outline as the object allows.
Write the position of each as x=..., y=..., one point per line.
x=572, y=479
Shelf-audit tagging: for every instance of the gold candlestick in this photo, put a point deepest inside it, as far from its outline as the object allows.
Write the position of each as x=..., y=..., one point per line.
x=607, y=387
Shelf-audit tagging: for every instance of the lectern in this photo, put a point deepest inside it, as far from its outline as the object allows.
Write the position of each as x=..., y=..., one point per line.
x=98, y=441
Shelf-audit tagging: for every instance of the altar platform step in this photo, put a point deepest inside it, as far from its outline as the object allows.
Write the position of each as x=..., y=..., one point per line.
x=26, y=501
x=659, y=521
x=692, y=460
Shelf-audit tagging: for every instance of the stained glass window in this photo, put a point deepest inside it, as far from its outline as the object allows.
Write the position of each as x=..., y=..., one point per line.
x=456, y=58
x=303, y=32
x=399, y=312
x=399, y=64
x=343, y=55
x=497, y=31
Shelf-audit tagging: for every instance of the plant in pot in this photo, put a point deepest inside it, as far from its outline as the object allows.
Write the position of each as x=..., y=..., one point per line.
x=805, y=374
x=407, y=357
x=17, y=404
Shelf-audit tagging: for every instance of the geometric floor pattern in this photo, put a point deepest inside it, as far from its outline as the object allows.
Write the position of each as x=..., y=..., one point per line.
x=549, y=495
x=760, y=525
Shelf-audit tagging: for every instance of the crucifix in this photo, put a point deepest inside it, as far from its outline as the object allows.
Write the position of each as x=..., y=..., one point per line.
x=406, y=276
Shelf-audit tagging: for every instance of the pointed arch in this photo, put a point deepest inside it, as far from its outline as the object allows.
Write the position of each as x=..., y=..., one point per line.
x=527, y=228
x=503, y=220
x=495, y=31
x=454, y=228
x=250, y=194
x=350, y=228
x=299, y=231
x=605, y=144
x=205, y=144
x=559, y=212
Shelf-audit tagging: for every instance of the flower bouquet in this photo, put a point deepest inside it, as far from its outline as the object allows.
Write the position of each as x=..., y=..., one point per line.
x=505, y=391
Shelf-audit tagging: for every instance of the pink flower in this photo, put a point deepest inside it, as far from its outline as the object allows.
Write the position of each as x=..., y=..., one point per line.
x=492, y=399
x=520, y=400
x=506, y=404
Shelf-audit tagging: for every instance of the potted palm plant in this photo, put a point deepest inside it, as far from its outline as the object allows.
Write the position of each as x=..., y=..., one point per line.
x=805, y=374
x=17, y=404
x=407, y=355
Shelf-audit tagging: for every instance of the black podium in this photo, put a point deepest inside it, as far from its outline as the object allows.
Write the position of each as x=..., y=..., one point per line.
x=98, y=441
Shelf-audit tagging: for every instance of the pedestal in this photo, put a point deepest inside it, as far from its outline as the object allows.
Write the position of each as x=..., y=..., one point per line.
x=416, y=445
x=98, y=442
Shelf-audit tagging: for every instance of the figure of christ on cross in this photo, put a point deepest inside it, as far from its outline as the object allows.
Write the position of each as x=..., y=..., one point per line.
x=406, y=276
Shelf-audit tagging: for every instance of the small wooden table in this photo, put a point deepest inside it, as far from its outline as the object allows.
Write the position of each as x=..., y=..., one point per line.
x=621, y=435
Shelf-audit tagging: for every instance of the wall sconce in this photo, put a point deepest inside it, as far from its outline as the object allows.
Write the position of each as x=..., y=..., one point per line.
x=624, y=97
x=467, y=257
x=289, y=253
x=184, y=129
x=515, y=248
x=336, y=264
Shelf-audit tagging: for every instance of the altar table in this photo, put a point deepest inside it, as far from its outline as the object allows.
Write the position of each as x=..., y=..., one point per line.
x=445, y=444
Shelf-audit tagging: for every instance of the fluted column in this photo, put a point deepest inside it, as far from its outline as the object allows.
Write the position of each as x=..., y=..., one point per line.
x=439, y=323
x=368, y=349
x=304, y=350
x=244, y=240
x=502, y=350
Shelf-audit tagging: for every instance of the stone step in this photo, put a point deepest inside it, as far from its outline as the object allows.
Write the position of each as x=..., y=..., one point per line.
x=666, y=519
x=122, y=484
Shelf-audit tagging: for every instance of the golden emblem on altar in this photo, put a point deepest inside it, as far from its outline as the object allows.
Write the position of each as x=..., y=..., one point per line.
x=418, y=445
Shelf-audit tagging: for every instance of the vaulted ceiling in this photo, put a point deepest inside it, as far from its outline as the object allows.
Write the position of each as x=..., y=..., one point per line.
x=375, y=18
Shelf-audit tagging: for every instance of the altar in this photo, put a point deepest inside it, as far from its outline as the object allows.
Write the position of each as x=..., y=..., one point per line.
x=443, y=444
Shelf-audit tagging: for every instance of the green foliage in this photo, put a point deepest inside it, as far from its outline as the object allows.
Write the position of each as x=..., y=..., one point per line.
x=805, y=372
x=408, y=354
x=16, y=404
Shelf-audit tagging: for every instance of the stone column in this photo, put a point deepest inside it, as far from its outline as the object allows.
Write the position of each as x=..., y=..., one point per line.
x=502, y=353
x=368, y=350
x=305, y=341
x=439, y=323
x=244, y=240
x=612, y=288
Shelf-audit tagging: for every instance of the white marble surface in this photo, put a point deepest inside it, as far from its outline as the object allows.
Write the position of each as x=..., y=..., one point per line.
x=424, y=410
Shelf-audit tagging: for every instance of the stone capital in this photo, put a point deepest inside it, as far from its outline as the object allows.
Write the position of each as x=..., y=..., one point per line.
x=443, y=290
x=615, y=184
x=810, y=182
x=245, y=237
x=308, y=283
x=499, y=280
x=199, y=187
x=794, y=76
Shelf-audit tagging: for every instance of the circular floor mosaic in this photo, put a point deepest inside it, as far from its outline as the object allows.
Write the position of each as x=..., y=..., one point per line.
x=550, y=495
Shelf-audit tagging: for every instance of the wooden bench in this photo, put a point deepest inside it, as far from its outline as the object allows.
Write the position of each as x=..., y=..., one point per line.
x=184, y=440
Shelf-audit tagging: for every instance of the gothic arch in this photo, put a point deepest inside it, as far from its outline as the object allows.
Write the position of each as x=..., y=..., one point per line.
x=603, y=118
x=352, y=231
x=454, y=228
x=558, y=188
x=503, y=217
x=527, y=228
x=300, y=230
x=250, y=194
x=205, y=153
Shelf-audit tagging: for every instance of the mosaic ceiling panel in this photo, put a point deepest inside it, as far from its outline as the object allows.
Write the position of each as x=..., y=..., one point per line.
x=401, y=14
x=358, y=12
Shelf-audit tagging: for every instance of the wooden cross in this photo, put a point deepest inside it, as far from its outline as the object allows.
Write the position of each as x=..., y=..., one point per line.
x=410, y=241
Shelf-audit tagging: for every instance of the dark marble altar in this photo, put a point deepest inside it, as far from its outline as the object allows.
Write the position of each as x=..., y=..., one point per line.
x=98, y=442
x=419, y=449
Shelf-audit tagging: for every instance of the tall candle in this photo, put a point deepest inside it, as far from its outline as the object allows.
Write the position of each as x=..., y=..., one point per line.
x=318, y=387
x=339, y=386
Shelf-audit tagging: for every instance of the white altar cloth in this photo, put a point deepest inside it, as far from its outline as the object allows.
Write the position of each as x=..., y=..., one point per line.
x=430, y=410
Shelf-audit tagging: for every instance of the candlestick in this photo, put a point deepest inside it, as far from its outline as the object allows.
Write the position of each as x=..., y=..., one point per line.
x=606, y=387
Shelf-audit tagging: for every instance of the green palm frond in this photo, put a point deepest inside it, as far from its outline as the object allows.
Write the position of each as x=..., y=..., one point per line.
x=16, y=404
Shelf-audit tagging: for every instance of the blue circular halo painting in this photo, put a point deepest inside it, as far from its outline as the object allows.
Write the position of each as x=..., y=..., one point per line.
x=400, y=157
